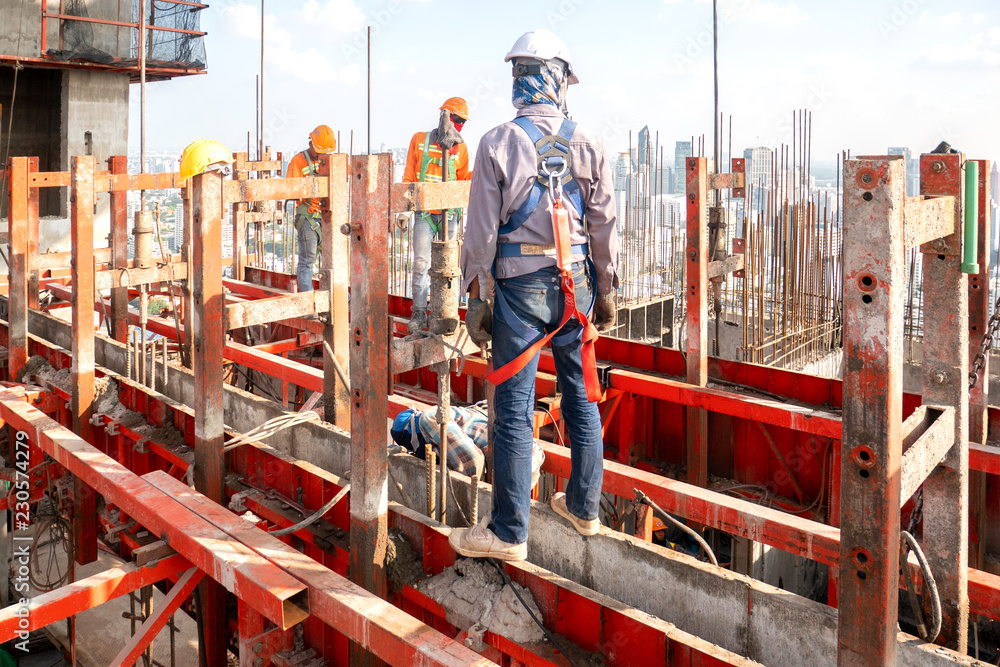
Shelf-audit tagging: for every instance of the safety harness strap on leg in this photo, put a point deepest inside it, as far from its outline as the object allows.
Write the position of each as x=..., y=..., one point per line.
x=564, y=259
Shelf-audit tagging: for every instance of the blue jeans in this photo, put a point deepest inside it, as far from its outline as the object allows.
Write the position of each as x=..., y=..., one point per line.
x=422, y=237
x=308, y=243
x=537, y=300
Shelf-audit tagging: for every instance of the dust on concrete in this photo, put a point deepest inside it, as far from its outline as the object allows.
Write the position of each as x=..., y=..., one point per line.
x=402, y=562
x=472, y=592
x=107, y=401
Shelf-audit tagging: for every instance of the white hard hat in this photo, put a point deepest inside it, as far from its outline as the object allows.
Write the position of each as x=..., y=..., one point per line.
x=542, y=44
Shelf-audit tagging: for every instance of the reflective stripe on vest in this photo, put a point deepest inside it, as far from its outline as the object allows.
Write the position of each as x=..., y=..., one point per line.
x=311, y=169
x=428, y=149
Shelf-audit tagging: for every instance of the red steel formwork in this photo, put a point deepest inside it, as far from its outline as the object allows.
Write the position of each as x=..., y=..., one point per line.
x=788, y=439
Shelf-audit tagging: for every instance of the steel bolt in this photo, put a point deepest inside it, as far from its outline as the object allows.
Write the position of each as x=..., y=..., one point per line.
x=347, y=228
x=693, y=254
x=258, y=647
x=937, y=167
x=866, y=178
x=259, y=662
x=940, y=377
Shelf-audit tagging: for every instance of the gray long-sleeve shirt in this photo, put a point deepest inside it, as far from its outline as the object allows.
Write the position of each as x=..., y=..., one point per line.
x=505, y=170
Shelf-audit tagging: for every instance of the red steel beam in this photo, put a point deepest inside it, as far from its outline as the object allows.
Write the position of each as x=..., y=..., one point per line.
x=47, y=608
x=279, y=597
x=119, y=249
x=945, y=382
x=208, y=335
x=82, y=402
x=369, y=364
x=151, y=627
x=17, y=307
x=387, y=631
x=335, y=279
x=874, y=296
x=696, y=292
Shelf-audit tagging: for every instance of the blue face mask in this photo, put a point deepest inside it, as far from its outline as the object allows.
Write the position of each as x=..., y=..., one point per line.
x=547, y=87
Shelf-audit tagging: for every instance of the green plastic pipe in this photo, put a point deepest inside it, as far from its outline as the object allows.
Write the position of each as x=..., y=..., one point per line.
x=971, y=245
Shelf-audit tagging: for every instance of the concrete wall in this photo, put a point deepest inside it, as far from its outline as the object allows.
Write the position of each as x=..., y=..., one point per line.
x=26, y=24
x=53, y=111
x=742, y=615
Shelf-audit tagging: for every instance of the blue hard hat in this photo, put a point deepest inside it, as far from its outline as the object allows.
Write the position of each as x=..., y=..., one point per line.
x=402, y=426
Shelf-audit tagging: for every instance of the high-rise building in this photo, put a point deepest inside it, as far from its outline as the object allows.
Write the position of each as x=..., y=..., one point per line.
x=995, y=183
x=178, y=239
x=912, y=169
x=682, y=151
x=759, y=167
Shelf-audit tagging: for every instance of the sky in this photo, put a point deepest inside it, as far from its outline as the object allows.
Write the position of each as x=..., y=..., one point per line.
x=874, y=73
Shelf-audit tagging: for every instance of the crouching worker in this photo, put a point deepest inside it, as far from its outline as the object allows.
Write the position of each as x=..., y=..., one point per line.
x=467, y=439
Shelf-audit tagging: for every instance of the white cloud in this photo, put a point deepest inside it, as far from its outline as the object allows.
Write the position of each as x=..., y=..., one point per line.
x=952, y=19
x=342, y=16
x=775, y=13
x=978, y=18
x=386, y=66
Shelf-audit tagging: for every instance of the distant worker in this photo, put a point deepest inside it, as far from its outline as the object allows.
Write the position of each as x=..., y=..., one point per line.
x=423, y=165
x=467, y=438
x=536, y=179
x=307, y=211
x=204, y=155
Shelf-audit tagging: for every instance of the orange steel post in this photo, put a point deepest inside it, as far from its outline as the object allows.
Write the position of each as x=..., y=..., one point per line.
x=119, y=250
x=334, y=277
x=17, y=310
x=979, y=316
x=32, y=236
x=874, y=297
x=82, y=405
x=208, y=335
x=945, y=374
x=370, y=180
x=697, y=315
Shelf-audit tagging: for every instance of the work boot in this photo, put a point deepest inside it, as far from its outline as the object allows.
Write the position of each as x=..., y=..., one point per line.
x=418, y=322
x=480, y=542
x=583, y=526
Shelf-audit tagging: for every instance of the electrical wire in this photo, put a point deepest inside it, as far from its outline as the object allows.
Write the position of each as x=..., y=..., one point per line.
x=551, y=637
x=271, y=427
x=908, y=542
x=555, y=425
x=641, y=497
x=315, y=516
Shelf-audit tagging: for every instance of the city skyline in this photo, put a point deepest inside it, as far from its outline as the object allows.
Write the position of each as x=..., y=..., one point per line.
x=875, y=77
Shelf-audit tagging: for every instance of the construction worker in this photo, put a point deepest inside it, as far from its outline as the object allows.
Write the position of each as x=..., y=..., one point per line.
x=307, y=211
x=535, y=181
x=423, y=165
x=467, y=432
x=204, y=155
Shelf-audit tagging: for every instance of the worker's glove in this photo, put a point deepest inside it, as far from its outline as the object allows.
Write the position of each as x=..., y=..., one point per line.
x=479, y=321
x=403, y=220
x=605, y=311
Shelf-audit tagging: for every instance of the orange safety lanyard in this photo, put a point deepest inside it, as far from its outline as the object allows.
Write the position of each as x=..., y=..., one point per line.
x=564, y=259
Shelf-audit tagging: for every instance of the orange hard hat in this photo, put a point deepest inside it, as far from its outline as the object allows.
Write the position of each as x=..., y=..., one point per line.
x=322, y=139
x=658, y=524
x=457, y=106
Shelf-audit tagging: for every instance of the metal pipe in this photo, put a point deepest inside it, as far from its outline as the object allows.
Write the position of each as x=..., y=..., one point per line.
x=971, y=245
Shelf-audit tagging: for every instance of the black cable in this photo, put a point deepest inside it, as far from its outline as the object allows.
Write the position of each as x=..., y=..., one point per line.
x=551, y=637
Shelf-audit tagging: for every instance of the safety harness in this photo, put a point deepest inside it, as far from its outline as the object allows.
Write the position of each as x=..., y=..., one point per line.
x=554, y=177
x=302, y=208
x=433, y=154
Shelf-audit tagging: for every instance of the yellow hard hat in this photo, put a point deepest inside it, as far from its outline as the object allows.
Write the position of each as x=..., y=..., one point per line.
x=322, y=140
x=199, y=154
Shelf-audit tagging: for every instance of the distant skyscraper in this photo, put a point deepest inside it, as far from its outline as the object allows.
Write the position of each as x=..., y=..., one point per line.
x=178, y=227
x=682, y=151
x=759, y=167
x=643, y=145
x=912, y=169
x=995, y=183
